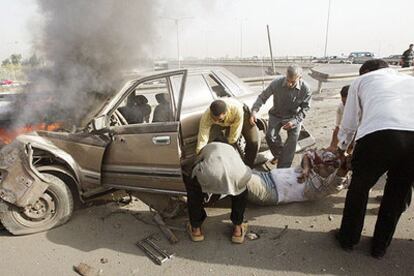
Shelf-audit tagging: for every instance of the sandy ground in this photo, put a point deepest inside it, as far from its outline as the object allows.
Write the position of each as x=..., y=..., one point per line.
x=306, y=247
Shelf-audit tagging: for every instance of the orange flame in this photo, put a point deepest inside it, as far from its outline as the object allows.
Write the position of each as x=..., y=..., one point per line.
x=8, y=135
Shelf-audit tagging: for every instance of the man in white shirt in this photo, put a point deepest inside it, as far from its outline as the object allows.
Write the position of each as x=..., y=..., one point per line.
x=321, y=174
x=379, y=113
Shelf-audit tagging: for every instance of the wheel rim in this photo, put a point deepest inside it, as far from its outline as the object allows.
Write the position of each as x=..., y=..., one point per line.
x=43, y=211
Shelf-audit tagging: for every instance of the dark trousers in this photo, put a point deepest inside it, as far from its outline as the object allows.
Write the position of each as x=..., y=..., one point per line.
x=389, y=151
x=284, y=152
x=195, y=204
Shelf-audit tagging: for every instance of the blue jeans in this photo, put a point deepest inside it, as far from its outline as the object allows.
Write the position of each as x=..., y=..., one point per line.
x=283, y=152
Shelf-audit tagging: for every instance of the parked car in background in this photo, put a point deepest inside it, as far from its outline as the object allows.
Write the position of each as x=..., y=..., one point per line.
x=6, y=82
x=393, y=59
x=333, y=60
x=160, y=65
x=360, y=57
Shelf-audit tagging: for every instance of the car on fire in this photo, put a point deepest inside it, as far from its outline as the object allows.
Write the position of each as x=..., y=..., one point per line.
x=42, y=173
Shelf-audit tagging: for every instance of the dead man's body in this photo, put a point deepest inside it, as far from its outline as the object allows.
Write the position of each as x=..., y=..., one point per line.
x=320, y=174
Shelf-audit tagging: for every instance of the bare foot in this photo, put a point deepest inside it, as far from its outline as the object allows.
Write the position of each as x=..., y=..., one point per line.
x=237, y=231
x=196, y=231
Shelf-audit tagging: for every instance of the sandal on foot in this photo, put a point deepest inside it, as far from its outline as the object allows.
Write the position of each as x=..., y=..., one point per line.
x=240, y=239
x=194, y=238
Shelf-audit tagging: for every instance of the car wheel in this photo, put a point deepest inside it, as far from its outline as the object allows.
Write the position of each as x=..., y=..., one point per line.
x=53, y=208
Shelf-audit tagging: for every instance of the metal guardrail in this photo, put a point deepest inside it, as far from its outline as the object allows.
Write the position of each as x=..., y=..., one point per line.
x=305, y=62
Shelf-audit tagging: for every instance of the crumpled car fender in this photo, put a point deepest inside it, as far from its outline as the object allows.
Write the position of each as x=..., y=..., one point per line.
x=21, y=184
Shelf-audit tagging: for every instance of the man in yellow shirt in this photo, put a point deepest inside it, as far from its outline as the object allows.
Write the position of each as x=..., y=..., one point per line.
x=231, y=116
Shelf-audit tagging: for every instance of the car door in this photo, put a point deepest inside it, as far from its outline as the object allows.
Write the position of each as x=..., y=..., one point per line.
x=145, y=150
x=196, y=100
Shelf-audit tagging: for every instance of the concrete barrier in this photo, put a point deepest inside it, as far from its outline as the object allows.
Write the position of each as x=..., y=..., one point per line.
x=330, y=74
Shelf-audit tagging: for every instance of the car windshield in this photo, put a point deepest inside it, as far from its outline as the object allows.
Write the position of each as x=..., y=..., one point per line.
x=101, y=100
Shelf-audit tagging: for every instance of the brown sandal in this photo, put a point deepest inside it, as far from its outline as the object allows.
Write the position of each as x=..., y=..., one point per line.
x=240, y=239
x=194, y=238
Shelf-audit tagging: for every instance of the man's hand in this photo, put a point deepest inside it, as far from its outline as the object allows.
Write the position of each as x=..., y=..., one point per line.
x=341, y=155
x=253, y=119
x=302, y=178
x=288, y=126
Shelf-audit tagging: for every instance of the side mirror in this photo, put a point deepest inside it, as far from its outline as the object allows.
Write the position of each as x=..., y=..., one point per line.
x=99, y=123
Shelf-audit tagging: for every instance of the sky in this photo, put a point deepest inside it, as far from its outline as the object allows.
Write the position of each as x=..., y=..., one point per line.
x=238, y=28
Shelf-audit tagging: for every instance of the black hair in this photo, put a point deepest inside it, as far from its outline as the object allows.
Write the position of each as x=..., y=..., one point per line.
x=344, y=91
x=218, y=107
x=411, y=45
x=372, y=65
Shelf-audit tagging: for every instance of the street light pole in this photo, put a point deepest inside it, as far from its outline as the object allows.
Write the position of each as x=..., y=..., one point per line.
x=177, y=21
x=241, y=35
x=327, y=29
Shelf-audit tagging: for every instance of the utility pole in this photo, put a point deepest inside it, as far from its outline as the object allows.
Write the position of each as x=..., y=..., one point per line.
x=327, y=30
x=271, y=52
x=177, y=21
x=241, y=35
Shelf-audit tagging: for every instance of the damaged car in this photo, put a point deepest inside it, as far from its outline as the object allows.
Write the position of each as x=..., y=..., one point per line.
x=141, y=139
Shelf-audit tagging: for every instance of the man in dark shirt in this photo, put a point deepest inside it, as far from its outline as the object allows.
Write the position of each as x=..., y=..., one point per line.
x=291, y=99
x=407, y=57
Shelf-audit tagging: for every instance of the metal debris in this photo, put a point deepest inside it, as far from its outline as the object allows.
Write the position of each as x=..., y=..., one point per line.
x=153, y=251
x=172, y=238
x=330, y=218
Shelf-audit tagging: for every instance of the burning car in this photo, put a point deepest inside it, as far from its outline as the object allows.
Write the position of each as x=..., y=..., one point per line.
x=140, y=139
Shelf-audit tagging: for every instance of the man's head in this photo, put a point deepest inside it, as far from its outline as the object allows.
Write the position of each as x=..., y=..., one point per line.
x=411, y=46
x=372, y=65
x=218, y=111
x=344, y=93
x=293, y=75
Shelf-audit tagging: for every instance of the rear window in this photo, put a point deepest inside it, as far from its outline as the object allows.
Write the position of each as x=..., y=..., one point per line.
x=197, y=92
x=231, y=83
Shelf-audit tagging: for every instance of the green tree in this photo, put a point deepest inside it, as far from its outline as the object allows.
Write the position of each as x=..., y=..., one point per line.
x=34, y=60
x=16, y=59
x=5, y=62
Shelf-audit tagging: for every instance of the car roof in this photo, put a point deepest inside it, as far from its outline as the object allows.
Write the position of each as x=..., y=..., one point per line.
x=191, y=70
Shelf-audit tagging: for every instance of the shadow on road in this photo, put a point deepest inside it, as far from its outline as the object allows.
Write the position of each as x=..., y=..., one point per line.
x=310, y=251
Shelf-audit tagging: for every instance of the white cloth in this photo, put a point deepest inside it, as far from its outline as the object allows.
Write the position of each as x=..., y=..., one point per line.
x=220, y=170
x=287, y=186
x=339, y=114
x=379, y=100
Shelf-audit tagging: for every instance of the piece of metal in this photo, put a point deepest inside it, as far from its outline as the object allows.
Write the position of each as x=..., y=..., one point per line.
x=153, y=251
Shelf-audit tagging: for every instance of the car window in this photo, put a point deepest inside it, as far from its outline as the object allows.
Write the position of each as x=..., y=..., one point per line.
x=196, y=93
x=230, y=83
x=218, y=89
x=150, y=102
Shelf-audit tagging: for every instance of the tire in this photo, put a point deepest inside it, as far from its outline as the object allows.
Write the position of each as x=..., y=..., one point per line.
x=56, y=206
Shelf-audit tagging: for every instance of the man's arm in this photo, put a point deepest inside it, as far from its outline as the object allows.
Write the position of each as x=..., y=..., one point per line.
x=306, y=167
x=262, y=98
x=237, y=126
x=203, y=131
x=334, y=140
x=351, y=118
x=344, y=168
